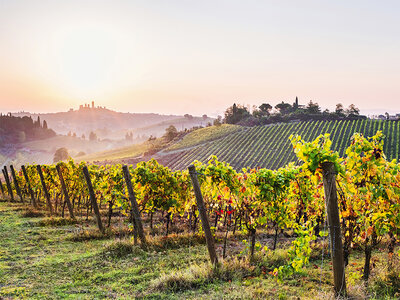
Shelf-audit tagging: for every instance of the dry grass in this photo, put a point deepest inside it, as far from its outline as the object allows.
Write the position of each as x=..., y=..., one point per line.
x=32, y=213
x=174, y=241
x=197, y=276
x=386, y=282
x=88, y=235
x=121, y=248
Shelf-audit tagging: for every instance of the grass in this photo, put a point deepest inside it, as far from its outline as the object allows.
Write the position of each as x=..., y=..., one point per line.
x=119, y=153
x=43, y=258
x=204, y=135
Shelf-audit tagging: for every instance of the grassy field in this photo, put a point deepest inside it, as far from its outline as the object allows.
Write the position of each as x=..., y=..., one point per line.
x=204, y=135
x=118, y=153
x=53, y=258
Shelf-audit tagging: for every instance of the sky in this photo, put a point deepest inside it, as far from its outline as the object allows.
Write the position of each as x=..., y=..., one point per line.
x=196, y=57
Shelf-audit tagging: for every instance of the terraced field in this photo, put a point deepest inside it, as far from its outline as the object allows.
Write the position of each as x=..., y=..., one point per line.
x=269, y=146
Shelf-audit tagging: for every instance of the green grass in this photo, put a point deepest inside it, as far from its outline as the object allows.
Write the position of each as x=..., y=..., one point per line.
x=40, y=259
x=204, y=135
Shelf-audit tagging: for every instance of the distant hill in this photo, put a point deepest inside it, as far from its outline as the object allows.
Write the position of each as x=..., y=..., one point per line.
x=100, y=119
x=109, y=124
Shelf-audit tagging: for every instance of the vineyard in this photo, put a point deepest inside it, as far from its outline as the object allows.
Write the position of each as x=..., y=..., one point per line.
x=263, y=207
x=269, y=146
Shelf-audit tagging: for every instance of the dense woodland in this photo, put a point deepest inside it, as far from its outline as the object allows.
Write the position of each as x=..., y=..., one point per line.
x=20, y=129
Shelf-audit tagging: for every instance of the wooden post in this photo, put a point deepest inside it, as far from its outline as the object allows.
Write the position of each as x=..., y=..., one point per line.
x=28, y=182
x=66, y=196
x=46, y=193
x=2, y=189
x=203, y=215
x=10, y=191
x=16, y=184
x=93, y=199
x=135, y=208
x=331, y=200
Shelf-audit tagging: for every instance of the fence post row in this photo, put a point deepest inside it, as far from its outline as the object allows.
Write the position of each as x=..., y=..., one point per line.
x=16, y=184
x=332, y=211
x=66, y=196
x=93, y=199
x=28, y=182
x=203, y=215
x=46, y=193
x=10, y=191
x=135, y=208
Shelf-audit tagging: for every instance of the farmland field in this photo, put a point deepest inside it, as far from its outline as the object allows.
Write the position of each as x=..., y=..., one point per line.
x=269, y=146
x=267, y=231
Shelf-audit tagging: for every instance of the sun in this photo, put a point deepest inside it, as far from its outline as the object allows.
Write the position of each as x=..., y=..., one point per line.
x=85, y=61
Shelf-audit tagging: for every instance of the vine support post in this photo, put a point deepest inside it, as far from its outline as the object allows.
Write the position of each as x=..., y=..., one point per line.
x=135, y=208
x=7, y=179
x=203, y=215
x=28, y=183
x=332, y=210
x=16, y=184
x=1, y=187
x=93, y=199
x=66, y=196
x=46, y=192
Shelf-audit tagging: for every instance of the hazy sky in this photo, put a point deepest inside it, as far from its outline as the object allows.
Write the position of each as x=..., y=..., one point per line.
x=198, y=56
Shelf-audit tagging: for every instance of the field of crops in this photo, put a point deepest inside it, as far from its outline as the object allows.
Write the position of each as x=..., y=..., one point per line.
x=354, y=200
x=269, y=146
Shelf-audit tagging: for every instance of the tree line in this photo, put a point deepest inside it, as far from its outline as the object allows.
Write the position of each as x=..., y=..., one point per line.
x=284, y=112
x=20, y=129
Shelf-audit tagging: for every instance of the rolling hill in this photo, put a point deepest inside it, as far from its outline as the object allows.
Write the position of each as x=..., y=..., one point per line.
x=269, y=146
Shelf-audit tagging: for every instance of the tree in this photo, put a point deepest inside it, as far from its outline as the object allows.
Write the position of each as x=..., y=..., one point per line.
x=21, y=136
x=170, y=133
x=352, y=110
x=80, y=153
x=83, y=137
x=44, y=124
x=296, y=104
x=92, y=136
x=236, y=113
x=313, y=108
x=37, y=123
x=218, y=121
x=339, y=110
x=189, y=117
x=284, y=108
x=265, y=108
x=60, y=154
x=205, y=117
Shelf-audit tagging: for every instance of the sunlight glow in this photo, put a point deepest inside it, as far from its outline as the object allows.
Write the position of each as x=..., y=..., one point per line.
x=86, y=61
